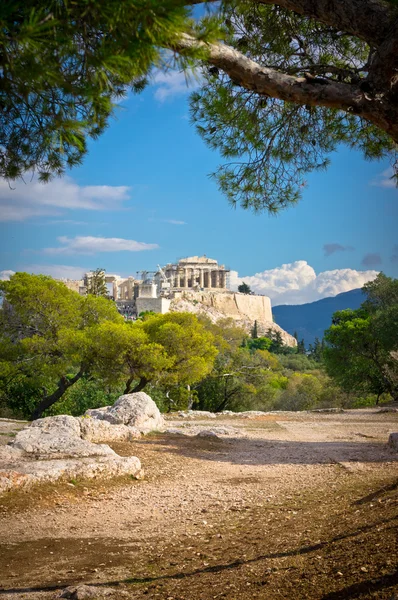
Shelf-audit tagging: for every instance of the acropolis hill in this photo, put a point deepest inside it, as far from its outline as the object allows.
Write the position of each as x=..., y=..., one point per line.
x=195, y=284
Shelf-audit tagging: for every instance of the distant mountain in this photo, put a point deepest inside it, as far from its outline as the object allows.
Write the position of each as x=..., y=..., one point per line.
x=311, y=320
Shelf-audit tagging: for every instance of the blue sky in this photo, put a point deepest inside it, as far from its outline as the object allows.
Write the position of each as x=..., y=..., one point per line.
x=143, y=197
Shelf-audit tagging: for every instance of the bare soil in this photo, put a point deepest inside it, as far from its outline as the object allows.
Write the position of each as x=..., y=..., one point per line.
x=297, y=506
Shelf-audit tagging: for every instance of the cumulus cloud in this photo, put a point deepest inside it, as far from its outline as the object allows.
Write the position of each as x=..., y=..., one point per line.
x=92, y=245
x=385, y=180
x=298, y=283
x=371, y=260
x=174, y=83
x=330, y=249
x=6, y=274
x=33, y=199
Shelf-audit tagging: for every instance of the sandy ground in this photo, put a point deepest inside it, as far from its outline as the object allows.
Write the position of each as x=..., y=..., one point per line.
x=292, y=506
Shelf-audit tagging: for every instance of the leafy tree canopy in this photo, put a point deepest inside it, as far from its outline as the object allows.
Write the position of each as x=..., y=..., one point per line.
x=45, y=338
x=243, y=288
x=96, y=284
x=362, y=344
x=284, y=82
x=63, y=65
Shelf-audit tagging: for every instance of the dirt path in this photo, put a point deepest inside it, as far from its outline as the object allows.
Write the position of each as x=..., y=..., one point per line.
x=292, y=506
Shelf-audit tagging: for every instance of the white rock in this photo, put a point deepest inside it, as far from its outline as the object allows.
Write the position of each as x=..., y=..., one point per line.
x=95, y=430
x=84, y=592
x=28, y=472
x=136, y=410
x=207, y=433
x=197, y=414
x=97, y=413
x=57, y=436
x=8, y=454
x=62, y=423
x=63, y=454
x=393, y=441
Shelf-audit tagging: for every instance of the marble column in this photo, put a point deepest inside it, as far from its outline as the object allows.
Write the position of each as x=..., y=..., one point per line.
x=209, y=284
x=185, y=278
x=201, y=278
x=217, y=279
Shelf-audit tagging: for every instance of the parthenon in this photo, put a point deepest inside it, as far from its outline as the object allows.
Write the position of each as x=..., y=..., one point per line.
x=197, y=272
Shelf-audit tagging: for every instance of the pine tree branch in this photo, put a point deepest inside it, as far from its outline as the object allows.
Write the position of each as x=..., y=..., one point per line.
x=298, y=90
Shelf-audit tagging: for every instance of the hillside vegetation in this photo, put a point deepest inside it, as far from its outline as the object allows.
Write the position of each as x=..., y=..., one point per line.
x=64, y=353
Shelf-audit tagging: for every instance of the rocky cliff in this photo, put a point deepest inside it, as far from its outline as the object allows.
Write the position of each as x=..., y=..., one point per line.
x=243, y=308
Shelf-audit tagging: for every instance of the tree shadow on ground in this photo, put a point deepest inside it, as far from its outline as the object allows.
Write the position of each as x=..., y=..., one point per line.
x=352, y=591
x=274, y=452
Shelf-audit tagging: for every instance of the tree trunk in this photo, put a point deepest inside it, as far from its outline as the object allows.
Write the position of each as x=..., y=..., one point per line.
x=63, y=385
x=140, y=385
x=128, y=385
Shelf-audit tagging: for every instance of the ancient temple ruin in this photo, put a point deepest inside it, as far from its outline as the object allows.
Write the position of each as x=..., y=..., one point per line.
x=197, y=273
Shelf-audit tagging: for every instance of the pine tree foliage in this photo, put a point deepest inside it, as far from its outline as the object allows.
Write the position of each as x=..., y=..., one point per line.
x=96, y=284
x=285, y=82
x=272, y=141
x=64, y=65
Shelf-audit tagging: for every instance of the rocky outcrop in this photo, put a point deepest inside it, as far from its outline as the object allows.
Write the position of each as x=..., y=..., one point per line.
x=70, y=447
x=245, y=309
x=58, y=436
x=135, y=410
x=95, y=430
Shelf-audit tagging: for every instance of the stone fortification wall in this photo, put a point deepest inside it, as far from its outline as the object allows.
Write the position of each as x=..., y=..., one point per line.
x=157, y=305
x=243, y=308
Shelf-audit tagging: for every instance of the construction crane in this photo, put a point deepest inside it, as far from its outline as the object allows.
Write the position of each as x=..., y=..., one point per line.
x=165, y=281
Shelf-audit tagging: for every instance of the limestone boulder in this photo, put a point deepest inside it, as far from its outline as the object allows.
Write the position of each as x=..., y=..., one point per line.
x=62, y=447
x=134, y=410
x=57, y=436
x=96, y=430
x=393, y=441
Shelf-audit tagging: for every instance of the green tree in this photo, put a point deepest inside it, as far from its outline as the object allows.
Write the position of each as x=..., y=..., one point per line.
x=243, y=288
x=63, y=65
x=286, y=82
x=45, y=339
x=300, y=347
x=255, y=331
x=238, y=379
x=96, y=284
x=291, y=81
x=259, y=343
x=361, y=344
x=187, y=343
x=124, y=352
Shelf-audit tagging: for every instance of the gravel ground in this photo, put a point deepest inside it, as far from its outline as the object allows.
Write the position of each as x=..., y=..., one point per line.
x=286, y=505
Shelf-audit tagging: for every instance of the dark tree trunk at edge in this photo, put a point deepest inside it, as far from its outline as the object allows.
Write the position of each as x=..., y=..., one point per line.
x=63, y=384
x=140, y=385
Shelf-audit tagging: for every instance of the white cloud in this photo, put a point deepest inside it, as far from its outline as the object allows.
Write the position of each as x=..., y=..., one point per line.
x=6, y=274
x=174, y=222
x=384, y=179
x=91, y=245
x=23, y=200
x=297, y=282
x=56, y=271
x=174, y=83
